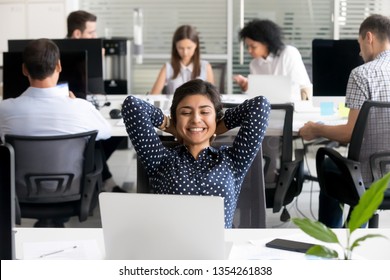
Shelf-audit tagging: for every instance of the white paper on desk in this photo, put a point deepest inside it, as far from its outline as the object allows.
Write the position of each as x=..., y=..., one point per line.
x=62, y=250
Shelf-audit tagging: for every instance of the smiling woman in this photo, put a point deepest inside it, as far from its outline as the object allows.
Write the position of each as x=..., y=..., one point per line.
x=195, y=167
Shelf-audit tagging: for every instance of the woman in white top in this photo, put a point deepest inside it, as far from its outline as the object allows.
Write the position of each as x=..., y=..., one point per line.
x=271, y=56
x=185, y=62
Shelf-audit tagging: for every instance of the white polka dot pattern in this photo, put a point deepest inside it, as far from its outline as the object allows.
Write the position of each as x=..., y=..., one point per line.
x=217, y=172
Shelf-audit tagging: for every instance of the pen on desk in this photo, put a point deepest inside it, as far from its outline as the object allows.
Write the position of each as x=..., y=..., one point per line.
x=58, y=251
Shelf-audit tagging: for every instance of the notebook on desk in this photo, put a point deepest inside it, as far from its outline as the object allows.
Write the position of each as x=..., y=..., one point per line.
x=157, y=226
x=276, y=88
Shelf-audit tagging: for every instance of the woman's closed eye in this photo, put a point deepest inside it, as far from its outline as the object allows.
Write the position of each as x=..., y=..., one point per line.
x=185, y=113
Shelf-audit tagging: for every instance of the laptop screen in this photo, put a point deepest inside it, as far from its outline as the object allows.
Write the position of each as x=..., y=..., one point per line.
x=276, y=88
x=162, y=226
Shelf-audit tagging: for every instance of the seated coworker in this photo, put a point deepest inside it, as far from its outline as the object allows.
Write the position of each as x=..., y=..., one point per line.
x=81, y=25
x=45, y=108
x=263, y=39
x=369, y=81
x=185, y=62
x=194, y=167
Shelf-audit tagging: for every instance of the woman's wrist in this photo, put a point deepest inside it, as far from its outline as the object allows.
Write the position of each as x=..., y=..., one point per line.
x=166, y=123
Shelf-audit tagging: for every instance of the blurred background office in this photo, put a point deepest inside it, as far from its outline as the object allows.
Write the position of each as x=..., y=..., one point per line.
x=219, y=22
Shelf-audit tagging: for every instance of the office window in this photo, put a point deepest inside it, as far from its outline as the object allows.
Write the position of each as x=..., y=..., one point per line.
x=161, y=18
x=301, y=21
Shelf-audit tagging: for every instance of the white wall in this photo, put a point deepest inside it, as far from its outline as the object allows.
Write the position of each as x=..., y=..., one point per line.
x=29, y=19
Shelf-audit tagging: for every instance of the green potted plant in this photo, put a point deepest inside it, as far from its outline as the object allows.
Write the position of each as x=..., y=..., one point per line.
x=363, y=211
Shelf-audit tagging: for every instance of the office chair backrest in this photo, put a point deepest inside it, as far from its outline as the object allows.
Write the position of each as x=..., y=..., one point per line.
x=219, y=70
x=50, y=170
x=283, y=173
x=250, y=212
x=371, y=135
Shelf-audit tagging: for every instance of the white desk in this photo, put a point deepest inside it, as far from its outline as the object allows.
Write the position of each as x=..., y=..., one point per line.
x=247, y=243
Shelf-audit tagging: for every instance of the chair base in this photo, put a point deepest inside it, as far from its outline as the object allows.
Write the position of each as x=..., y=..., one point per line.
x=54, y=223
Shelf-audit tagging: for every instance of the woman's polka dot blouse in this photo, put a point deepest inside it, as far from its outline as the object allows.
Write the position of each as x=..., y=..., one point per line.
x=217, y=172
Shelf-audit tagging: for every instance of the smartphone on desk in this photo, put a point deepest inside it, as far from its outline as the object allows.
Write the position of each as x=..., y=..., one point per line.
x=289, y=245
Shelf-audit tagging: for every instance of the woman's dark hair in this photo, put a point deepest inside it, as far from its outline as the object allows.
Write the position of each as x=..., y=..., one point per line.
x=181, y=33
x=266, y=32
x=40, y=57
x=194, y=87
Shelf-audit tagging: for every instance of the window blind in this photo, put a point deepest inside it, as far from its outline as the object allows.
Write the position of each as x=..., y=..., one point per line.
x=300, y=20
x=160, y=20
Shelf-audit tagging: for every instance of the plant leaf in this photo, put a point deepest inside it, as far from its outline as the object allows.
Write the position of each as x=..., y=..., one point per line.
x=357, y=242
x=322, y=251
x=316, y=229
x=368, y=203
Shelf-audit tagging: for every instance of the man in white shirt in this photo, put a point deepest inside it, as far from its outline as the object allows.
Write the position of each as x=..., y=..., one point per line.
x=46, y=108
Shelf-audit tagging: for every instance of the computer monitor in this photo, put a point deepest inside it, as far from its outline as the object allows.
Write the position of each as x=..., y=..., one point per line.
x=74, y=72
x=332, y=63
x=93, y=47
x=7, y=202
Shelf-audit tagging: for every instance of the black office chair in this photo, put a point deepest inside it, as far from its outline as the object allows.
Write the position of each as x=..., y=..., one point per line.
x=219, y=69
x=250, y=211
x=283, y=174
x=368, y=159
x=56, y=177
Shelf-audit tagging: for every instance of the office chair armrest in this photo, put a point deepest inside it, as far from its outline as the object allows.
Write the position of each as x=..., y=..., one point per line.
x=289, y=171
x=350, y=170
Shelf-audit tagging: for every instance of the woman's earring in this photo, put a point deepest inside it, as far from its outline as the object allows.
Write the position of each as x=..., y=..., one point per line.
x=213, y=138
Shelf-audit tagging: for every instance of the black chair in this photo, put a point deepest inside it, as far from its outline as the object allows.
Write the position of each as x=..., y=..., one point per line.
x=56, y=177
x=250, y=211
x=368, y=159
x=7, y=205
x=219, y=70
x=284, y=167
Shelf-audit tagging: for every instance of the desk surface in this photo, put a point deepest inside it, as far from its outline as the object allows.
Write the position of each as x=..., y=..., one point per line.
x=247, y=243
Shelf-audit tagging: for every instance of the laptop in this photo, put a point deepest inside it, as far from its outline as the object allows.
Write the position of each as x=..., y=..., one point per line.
x=276, y=88
x=162, y=227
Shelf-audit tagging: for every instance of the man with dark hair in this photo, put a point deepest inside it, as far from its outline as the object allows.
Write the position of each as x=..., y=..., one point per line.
x=369, y=81
x=45, y=108
x=81, y=25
